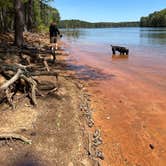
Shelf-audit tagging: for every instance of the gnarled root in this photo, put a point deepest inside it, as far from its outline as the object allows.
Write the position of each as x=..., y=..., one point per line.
x=12, y=136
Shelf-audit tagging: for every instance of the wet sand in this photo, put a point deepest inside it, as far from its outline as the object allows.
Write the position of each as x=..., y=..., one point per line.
x=129, y=96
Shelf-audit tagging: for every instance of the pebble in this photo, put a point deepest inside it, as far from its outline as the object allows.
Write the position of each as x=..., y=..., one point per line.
x=100, y=155
x=151, y=146
x=108, y=118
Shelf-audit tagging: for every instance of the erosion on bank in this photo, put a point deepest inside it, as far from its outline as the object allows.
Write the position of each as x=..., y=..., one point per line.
x=55, y=128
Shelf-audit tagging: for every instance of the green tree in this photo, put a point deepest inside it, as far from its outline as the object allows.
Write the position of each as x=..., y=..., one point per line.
x=156, y=19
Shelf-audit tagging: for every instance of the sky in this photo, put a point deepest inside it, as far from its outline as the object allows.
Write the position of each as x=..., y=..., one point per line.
x=107, y=10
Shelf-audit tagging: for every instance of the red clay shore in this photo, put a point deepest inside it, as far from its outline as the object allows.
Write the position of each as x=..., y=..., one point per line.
x=130, y=104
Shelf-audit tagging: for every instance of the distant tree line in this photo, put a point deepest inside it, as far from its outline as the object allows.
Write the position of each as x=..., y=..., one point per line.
x=156, y=19
x=85, y=24
x=36, y=14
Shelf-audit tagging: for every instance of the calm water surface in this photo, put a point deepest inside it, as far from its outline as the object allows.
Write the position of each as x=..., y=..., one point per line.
x=147, y=42
x=147, y=46
x=130, y=90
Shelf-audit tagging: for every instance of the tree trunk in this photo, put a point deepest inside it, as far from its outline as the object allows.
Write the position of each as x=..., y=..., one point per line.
x=2, y=20
x=30, y=15
x=19, y=22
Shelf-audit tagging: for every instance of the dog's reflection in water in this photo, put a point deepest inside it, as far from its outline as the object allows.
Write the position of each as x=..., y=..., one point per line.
x=119, y=57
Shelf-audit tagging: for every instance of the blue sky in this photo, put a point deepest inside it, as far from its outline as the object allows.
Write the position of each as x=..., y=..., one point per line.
x=107, y=10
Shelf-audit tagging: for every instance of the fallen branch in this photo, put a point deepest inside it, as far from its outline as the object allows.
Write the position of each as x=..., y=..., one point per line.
x=8, y=136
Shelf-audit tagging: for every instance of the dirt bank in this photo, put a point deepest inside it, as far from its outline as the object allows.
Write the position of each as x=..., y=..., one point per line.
x=56, y=128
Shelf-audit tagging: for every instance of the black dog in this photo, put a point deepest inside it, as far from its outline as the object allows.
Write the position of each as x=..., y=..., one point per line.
x=121, y=50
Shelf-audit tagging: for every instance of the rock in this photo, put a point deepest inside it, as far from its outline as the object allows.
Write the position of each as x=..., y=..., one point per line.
x=108, y=118
x=90, y=123
x=96, y=133
x=33, y=134
x=99, y=155
x=151, y=146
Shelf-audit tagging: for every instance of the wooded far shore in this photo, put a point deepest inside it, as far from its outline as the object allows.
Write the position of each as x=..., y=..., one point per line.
x=39, y=14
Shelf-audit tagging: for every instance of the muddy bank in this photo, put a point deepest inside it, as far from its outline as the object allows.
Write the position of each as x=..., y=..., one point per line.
x=130, y=101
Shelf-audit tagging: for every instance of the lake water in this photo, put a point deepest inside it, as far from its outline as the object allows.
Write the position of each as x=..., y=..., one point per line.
x=141, y=41
x=127, y=92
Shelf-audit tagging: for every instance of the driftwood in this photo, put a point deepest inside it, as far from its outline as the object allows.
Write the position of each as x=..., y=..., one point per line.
x=11, y=136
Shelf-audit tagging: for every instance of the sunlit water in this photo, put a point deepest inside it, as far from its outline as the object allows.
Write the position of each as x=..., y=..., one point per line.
x=130, y=90
x=147, y=42
x=147, y=51
x=147, y=46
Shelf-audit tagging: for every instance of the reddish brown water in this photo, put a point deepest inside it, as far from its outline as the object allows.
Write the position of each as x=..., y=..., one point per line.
x=129, y=96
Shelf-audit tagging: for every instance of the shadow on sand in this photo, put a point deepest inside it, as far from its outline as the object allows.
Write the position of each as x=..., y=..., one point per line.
x=28, y=160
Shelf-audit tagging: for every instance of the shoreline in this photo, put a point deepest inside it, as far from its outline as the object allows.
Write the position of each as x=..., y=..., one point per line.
x=57, y=127
x=129, y=104
x=124, y=107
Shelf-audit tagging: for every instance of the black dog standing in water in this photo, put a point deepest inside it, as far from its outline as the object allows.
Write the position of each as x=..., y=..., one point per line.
x=121, y=50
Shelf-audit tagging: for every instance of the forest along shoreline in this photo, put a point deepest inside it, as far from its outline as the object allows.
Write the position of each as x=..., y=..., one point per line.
x=45, y=113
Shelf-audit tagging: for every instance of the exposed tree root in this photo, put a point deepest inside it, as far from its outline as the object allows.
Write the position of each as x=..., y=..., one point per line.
x=11, y=81
x=12, y=136
x=22, y=76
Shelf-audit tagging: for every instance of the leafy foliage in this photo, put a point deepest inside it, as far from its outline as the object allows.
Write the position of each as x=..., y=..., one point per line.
x=156, y=19
x=40, y=16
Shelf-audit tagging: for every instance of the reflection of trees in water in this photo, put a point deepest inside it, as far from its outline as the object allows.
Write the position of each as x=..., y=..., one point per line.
x=153, y=36
x=72, y=33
